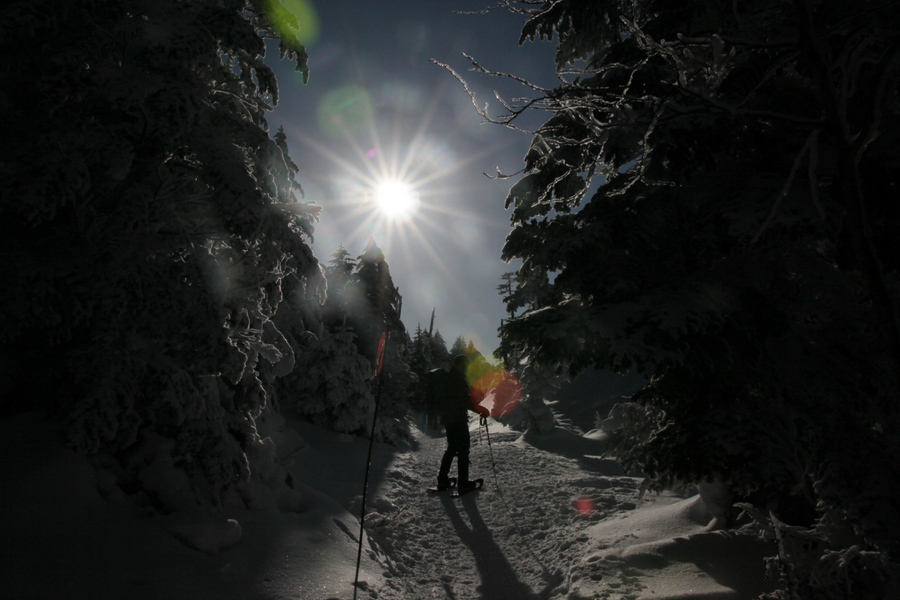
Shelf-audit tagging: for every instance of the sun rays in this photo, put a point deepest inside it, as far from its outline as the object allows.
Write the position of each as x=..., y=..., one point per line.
x=402, y=164
x=393, y=180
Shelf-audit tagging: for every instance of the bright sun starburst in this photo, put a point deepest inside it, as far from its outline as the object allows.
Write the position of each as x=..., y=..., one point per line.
x=396, y=199
x=395, y=180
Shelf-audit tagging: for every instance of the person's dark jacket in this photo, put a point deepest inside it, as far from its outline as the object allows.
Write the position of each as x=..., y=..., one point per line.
x=456, y=399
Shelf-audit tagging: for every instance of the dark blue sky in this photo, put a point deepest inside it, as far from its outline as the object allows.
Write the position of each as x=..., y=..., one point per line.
x=375, y=105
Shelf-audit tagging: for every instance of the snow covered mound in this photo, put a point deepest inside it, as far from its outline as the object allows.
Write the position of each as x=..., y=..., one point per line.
x=668, y=551
x=202, y=531
x=567, y=443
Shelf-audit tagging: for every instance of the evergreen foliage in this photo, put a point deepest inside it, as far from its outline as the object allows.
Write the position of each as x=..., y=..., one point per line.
x=439, y=353
x=459, y=346
x=334, y=388
x=381, y=315
x=362, y=303
x=427, y=352
x=149, y=226
x=709, y=203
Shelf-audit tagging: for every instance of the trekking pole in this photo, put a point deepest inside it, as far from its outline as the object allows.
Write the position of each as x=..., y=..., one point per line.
x=379, y=364
x=493, y=463
x=480, y=441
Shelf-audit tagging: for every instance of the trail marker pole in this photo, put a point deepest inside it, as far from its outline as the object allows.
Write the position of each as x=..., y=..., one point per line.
x=379, y=365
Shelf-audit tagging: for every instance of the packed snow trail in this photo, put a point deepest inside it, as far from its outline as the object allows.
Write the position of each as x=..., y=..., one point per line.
x=558, y=522
x=518, y=538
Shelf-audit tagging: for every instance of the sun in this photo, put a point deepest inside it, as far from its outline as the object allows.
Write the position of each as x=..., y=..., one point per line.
x=389, y=179
x=396, y=199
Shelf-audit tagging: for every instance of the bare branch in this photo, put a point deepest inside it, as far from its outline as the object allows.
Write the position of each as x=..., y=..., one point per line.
x=481, y=111
x=500, y=175
x=513, y=111
x=508, y=5
x=477, y=67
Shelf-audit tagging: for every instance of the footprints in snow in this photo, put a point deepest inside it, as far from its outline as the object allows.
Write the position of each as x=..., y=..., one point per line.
x=529, y=514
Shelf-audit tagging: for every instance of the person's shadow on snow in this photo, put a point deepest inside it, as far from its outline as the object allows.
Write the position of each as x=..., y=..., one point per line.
x=498, y=579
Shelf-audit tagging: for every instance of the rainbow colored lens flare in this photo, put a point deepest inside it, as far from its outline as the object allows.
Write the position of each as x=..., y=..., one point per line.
x=494, y=388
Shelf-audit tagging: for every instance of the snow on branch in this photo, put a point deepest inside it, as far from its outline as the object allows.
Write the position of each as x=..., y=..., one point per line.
x=513, y=112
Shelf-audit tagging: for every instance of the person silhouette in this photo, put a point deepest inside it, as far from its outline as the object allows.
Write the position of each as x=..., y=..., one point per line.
x=454, y=406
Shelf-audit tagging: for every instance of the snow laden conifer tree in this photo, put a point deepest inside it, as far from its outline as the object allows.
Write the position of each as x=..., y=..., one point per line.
x=344, y=296
x=149, y=223
x=439, y=353
x=459, y=346
x=427, y=352
x=711, y=203
x=334, y=389
x=379, y=313
x=335, y=384
x=537, y=382
x=421, y=362
x=330, y=386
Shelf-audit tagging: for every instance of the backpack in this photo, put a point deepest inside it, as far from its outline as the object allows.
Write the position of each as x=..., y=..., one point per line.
x=435, y=395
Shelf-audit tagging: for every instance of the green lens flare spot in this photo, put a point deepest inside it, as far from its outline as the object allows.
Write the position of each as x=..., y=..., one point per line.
x=345, y=111
x=294, y=18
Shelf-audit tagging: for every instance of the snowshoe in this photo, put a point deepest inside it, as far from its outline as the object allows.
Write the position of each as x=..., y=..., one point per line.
x=443, y=487
x=465, y=488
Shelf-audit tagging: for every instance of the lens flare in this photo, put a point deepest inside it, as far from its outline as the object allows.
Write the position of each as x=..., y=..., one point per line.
x=294, y=18
x=585, y=506
x=345, y=111
x=371, y=134
x=493, y=387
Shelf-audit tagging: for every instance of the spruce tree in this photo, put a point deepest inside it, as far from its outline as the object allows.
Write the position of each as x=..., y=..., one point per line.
x=334, y=390
x=708, y=203
x=381, y=316
x=149, y=224
x=439, y=353
x=361, y=305
x=344, y=299
x=421, y=362
x=459, y=346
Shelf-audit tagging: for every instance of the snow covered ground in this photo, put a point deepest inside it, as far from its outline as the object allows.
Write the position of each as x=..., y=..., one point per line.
x=554, y=520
